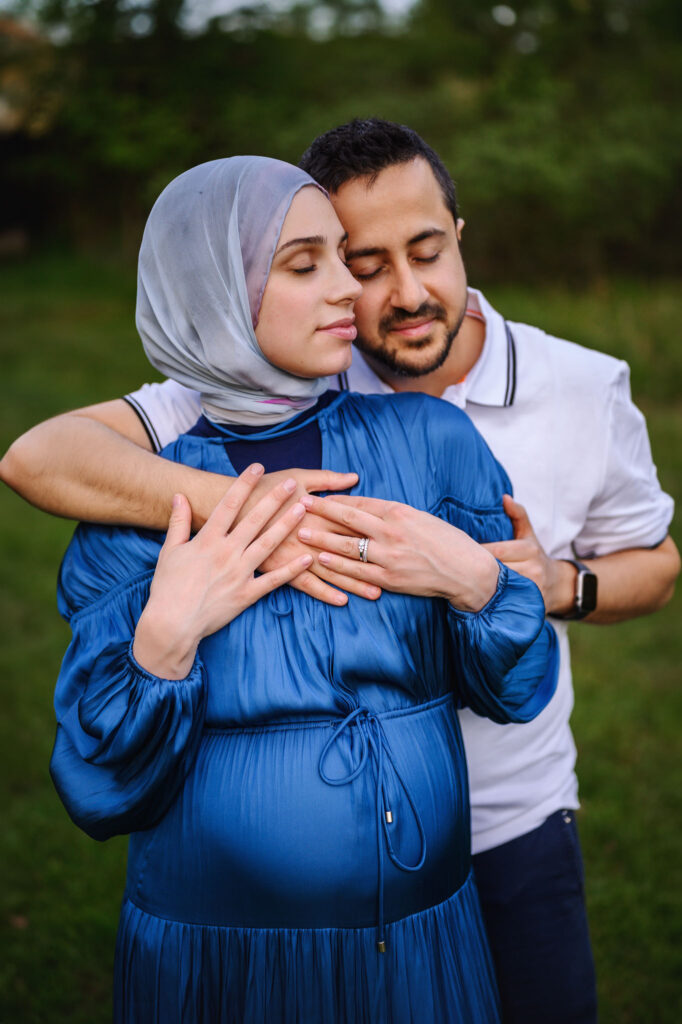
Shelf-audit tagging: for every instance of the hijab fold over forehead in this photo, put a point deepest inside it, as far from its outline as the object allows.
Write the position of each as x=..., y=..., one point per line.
x=204, y=262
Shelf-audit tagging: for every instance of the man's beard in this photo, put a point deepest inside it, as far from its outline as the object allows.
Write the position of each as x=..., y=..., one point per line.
x=393, y=357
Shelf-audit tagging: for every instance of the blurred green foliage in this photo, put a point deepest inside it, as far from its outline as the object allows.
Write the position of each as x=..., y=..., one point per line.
x=559, y=119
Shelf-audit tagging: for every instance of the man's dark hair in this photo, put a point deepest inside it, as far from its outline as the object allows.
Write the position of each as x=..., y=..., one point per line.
x=364, y=148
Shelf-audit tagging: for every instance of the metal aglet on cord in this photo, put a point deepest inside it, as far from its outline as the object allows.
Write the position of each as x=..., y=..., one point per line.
x=372, y=739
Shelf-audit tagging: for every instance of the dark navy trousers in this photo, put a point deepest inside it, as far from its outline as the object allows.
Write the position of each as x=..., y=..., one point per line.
x=533, y=902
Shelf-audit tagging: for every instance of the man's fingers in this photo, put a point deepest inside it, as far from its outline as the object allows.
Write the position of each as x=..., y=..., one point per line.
x=507, y=550
x=376, y=506
x=327, y=480
x=364, y=524
x=317, y=588
x=519, y=518
x=180, y=522
x=278, y=577
x=370, y=591
x=226, y=511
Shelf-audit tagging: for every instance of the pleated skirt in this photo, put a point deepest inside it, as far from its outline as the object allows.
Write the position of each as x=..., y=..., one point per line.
x=436, y=970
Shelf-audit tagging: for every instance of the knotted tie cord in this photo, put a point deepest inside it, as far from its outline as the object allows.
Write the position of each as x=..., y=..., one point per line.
x=372, y=738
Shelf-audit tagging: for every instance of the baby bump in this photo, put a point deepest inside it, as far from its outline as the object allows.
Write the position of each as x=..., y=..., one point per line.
x=309, y=824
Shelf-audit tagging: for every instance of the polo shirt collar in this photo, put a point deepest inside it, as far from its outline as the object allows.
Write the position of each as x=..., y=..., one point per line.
x=492, y=381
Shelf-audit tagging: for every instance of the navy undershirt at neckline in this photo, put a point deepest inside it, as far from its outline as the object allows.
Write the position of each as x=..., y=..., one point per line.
x=300, y=448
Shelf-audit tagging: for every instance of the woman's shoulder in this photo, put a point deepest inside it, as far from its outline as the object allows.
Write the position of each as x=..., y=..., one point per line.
x=102, y=559
x=412, y=408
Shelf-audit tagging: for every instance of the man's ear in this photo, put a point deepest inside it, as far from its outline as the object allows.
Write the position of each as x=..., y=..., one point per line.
x=459, y=227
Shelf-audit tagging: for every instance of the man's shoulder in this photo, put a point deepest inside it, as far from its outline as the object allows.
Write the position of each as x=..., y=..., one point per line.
x=544, y=359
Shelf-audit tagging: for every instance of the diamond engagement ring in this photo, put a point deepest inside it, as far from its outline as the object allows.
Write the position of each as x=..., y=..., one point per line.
x=363, y=544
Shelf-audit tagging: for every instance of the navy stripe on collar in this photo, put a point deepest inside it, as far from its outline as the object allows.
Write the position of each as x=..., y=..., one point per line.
x=510, y=390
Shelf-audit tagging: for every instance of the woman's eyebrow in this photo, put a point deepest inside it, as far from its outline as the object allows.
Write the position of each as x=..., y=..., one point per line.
x=309, y=240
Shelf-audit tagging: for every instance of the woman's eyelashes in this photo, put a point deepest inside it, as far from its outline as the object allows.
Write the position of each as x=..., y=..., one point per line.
x=304, y=270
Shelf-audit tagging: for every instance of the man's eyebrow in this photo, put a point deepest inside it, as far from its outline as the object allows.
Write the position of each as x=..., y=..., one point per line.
x=378, y=250
x=423, y=235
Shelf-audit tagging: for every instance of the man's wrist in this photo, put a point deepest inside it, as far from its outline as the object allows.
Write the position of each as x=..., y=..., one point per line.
x=563, y=589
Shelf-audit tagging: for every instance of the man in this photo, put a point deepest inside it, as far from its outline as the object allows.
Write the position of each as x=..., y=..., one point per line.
x=560, y=420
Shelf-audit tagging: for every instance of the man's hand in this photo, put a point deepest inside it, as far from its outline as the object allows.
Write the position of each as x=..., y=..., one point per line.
x=410, y=552
x=314, y=582
x=554, y=577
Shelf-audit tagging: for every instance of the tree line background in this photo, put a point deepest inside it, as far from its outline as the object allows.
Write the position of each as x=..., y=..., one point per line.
x=559, y=119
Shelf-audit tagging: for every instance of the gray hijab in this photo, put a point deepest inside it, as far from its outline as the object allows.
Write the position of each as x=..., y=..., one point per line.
x=204, y=262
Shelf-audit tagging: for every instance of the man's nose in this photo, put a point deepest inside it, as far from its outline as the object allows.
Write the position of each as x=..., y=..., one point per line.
x=408, y=291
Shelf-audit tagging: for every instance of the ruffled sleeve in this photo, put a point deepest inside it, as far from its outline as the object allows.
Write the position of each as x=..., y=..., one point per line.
x=125, y=739
x=506, y=654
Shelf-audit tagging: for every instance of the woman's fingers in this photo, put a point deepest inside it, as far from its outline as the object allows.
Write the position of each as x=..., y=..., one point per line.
x=228, y=508
x=263, y=546
x=340, y=545
x=255, y=521
x=338, y=566
x=365, y=524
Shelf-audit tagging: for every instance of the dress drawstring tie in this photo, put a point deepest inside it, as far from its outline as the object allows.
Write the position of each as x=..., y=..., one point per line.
x=373, y=740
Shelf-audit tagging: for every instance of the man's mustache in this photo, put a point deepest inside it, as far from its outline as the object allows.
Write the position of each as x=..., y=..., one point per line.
x=403, y=317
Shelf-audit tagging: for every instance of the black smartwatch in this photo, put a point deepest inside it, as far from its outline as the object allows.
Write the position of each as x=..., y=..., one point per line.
x=585, y=599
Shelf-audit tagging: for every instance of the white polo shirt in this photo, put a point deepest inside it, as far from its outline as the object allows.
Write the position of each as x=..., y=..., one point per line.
x=561, y=421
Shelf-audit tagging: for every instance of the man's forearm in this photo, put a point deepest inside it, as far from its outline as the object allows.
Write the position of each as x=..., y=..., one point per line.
x=77, y=467
x=635, y=582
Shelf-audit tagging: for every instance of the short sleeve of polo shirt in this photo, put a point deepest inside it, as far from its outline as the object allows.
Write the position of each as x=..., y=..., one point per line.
x=630, y=509
x=166, y=410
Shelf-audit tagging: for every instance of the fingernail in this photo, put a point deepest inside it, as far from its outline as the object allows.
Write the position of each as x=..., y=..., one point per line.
x=324, y=558
x=256, y=469
x=373, y=591
x=307, y=501
x=298, y=509
x=176, y=501
x=306, y=560
x=305, y=534
x=290, y=485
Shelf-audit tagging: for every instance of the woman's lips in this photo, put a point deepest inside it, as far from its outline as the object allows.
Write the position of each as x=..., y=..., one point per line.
x=344, y=329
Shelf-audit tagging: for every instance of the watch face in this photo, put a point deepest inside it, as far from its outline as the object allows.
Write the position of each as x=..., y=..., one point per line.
x=587, y=592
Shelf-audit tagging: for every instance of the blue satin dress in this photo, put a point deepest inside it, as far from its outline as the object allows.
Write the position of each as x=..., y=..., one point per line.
x=298, y=803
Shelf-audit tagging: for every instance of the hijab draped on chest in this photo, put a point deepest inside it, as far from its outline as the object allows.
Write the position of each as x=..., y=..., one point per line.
x=204, y=262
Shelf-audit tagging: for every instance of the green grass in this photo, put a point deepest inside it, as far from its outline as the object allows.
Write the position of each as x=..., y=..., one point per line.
x=68, y=338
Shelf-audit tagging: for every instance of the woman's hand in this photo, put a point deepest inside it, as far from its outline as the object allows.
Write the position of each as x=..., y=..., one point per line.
x=409, y=552
x=315, y=582
x=202, y=584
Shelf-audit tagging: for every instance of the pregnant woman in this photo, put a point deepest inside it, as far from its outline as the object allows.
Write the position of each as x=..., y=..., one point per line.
x=291, y=774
